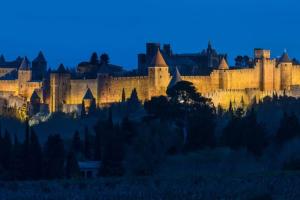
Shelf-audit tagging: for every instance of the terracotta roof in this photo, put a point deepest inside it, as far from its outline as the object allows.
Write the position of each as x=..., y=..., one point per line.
x=223, y=64
x=158, y=60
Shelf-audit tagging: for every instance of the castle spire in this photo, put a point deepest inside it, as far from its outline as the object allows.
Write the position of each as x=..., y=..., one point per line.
x=61, y=69
x=40, y=57
x=25, y=65
x=209, y=46
x=175, y=78
x=158, y=60
x=284, y=57
x=2, y=59
x=223, y=64
x=88, y=94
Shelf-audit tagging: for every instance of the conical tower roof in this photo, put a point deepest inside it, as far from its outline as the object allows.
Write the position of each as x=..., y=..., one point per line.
x=88, y=94
x=175, y=78
x=158, y=60
x=284, y=58
x=34, y=96
x=2, y=59
x=61, y=69
x=40, y=57
x=223, y=64
x=25, y=65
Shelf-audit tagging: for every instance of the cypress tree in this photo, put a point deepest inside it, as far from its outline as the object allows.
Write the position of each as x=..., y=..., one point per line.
x=17, y=164
x=123, y=95
x=87, y=144
x=7, y=147
x=72, y=168
x=35, y=157
x=54, y=158
x=94, y=59
x=76, y=144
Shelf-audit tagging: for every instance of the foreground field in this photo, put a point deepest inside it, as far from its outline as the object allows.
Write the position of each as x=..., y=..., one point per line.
x=208, y=174
x=281, y=185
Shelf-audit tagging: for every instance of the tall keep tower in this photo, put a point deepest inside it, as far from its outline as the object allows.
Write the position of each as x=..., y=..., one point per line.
x=159, y=76
x=266, y=69
x=60, y=88
x=39, y=67
x=285, y=65
x=24, y=76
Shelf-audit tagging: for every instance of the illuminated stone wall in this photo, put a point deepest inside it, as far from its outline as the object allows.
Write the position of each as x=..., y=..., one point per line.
x=79, y=88
x=238, y=86
x=9, y=86
x=111, y=88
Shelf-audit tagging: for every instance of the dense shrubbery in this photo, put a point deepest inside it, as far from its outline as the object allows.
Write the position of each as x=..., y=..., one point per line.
x=181, y=123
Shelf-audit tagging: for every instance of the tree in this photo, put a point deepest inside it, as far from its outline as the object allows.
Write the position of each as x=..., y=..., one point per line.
x=27, y=137
x=98, y=142
x=83, y=112
x=35, y=157
x=72, y=168
x=54, y=158
x=201, y=129
x=104, y=59
x=76, y=144
x=195, y=114
x=94, y=59
x=185, y=93
x=26, y=170
x=127, y=129
x=113, y=153
x=158, y=107
x=87, y=144
x=243, y=61
x=255, y=134
x=289, y=128
x=17, y=163
x=102, y=130
x=239, y=61
x=123, y=95
x=245, y=132
x=6, y=151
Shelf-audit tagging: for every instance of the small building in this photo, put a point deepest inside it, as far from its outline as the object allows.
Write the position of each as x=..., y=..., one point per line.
x=89, y=169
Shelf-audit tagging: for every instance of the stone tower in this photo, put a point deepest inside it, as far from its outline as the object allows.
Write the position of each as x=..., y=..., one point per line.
x=24, y=76
x=159, y=76
x=223, y=80
x=285, y=65
x=35, y=103
x=88, y=102
x=266, y=69
x=39, y=67
x=60, y=88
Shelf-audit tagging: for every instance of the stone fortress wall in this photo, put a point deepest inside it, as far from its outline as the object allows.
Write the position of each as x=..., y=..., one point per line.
x=223, y=85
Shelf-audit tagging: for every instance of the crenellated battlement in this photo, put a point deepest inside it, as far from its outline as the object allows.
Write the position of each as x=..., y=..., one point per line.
x=223, y=85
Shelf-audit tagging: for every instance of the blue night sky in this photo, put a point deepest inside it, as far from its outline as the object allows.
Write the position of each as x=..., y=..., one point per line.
x=69, y=31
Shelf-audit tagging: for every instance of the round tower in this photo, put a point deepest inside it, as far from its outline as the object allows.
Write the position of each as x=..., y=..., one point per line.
x=159, y=76
x=285, y=65
x=223, y=67
x=24, y=76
